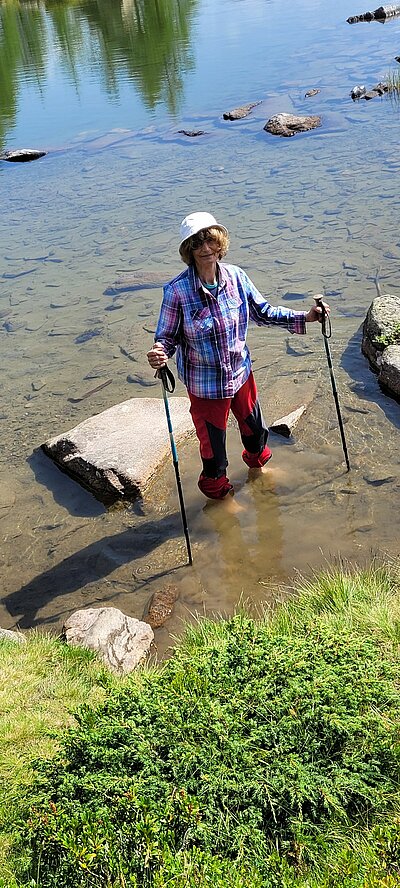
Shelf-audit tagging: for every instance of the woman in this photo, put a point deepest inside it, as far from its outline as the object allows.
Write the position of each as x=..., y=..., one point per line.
x=204, y=317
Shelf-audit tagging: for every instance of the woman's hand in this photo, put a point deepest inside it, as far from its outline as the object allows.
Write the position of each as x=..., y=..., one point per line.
x=157, y=356
x=315, y=313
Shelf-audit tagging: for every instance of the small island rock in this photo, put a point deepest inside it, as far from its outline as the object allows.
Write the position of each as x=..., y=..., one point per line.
x=290, y=124
x=22, y=155
x=239, y=113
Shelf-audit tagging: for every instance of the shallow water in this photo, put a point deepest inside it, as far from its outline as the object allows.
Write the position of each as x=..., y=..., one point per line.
x=316, y=213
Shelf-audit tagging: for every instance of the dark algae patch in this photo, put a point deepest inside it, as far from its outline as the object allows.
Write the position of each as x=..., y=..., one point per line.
x=261, y=754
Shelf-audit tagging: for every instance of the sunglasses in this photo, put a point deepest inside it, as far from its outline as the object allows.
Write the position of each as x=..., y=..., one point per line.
x=201, y=238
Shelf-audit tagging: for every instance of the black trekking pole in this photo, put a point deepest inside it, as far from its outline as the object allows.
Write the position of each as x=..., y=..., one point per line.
x=327, y=333
x=168, y=385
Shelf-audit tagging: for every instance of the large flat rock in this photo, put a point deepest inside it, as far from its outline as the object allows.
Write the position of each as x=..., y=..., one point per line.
x=116, y=453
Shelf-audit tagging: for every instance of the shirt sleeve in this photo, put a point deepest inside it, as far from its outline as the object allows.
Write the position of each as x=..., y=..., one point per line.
x=169, y=323
x=265, y=314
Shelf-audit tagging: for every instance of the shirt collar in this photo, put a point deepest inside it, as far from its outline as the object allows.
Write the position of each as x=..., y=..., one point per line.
x=196, y=282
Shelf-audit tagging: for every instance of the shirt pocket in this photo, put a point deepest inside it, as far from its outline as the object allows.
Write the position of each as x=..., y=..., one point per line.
x=201, y=322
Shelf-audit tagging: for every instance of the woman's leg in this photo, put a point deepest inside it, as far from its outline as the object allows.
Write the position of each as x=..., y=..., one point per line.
x=254, y=433
x=210, y=417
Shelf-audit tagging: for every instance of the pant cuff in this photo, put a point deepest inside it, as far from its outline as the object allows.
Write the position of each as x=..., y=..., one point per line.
x=215, y=488
x=256, y=460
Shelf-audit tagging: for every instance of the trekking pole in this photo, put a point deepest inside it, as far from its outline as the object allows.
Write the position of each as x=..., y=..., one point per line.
x=327, y=333
x=168, y=385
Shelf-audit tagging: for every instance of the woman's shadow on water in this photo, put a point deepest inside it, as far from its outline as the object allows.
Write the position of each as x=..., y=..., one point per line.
x=88, y=565
x=365, y=380
x=93, y=562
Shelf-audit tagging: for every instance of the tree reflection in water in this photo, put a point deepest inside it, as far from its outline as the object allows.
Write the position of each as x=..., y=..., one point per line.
x=146, y=41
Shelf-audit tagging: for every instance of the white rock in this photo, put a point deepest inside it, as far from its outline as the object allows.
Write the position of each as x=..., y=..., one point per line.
x=9, y=635
x=121, y=641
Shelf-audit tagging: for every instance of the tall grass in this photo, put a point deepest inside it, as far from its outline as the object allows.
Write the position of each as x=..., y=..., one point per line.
x=392, y=80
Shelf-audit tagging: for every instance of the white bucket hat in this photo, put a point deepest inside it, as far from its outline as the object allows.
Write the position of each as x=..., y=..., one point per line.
x=196, y=222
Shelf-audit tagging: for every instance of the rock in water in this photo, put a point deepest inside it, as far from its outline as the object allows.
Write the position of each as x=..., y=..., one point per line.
x=116, y=453
x=383, y=317
x=161, y=606
x=379, y=15
x=192, y=133
x=286, y=424
x=380, y=342
x=358, y=92
x=239, y=113
x=290, y=124
x=389, y=375
x=87, y=335
x=22, y=155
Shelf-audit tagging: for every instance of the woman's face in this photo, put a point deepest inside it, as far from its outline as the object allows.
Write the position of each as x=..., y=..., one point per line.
x=205, y=250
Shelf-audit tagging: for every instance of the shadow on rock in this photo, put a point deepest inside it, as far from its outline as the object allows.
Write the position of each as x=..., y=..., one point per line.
x=90, y=564
x=365, y=382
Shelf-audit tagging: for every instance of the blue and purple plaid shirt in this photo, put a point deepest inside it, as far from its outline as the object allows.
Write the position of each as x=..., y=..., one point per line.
x=209, y=332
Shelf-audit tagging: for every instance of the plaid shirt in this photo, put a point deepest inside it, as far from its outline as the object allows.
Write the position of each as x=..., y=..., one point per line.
x=209, y=333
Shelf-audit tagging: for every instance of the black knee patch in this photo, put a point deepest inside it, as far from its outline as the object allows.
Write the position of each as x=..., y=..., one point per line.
x=256, y=442
x=216, y=466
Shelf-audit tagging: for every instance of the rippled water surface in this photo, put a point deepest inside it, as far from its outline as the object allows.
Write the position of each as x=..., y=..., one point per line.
x=89, y=233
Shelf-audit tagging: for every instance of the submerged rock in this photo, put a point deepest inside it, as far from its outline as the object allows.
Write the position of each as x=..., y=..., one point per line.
x=192, y=133
x=137, y=280
x=87, y=335
x=161, y=606
x=290, y=124
x=22, y=155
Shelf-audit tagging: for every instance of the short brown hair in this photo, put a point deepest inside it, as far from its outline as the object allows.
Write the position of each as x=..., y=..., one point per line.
x=186, y=248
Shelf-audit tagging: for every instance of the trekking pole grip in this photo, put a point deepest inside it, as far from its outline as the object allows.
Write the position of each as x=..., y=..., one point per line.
x=326, y=321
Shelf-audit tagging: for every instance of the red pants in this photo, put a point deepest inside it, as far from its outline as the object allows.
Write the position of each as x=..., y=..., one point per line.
x=210, y=417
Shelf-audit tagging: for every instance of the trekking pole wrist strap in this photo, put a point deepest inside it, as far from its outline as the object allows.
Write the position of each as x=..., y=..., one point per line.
x=167, y=378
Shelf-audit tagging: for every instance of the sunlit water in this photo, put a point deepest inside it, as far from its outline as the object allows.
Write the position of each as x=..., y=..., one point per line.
x=316, y=213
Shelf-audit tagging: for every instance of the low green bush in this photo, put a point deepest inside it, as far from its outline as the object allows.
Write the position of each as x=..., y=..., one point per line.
x=262, y=754
x=392, y=338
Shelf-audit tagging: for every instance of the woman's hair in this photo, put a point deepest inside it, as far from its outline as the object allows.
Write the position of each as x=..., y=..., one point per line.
x=191, y=243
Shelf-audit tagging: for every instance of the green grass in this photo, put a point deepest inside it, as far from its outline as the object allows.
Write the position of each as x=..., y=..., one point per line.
x=262, y=754
x=41, y=684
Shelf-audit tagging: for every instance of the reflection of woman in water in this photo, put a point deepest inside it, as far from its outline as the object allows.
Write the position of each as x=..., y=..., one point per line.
x=244, y=554
x=204, y=316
